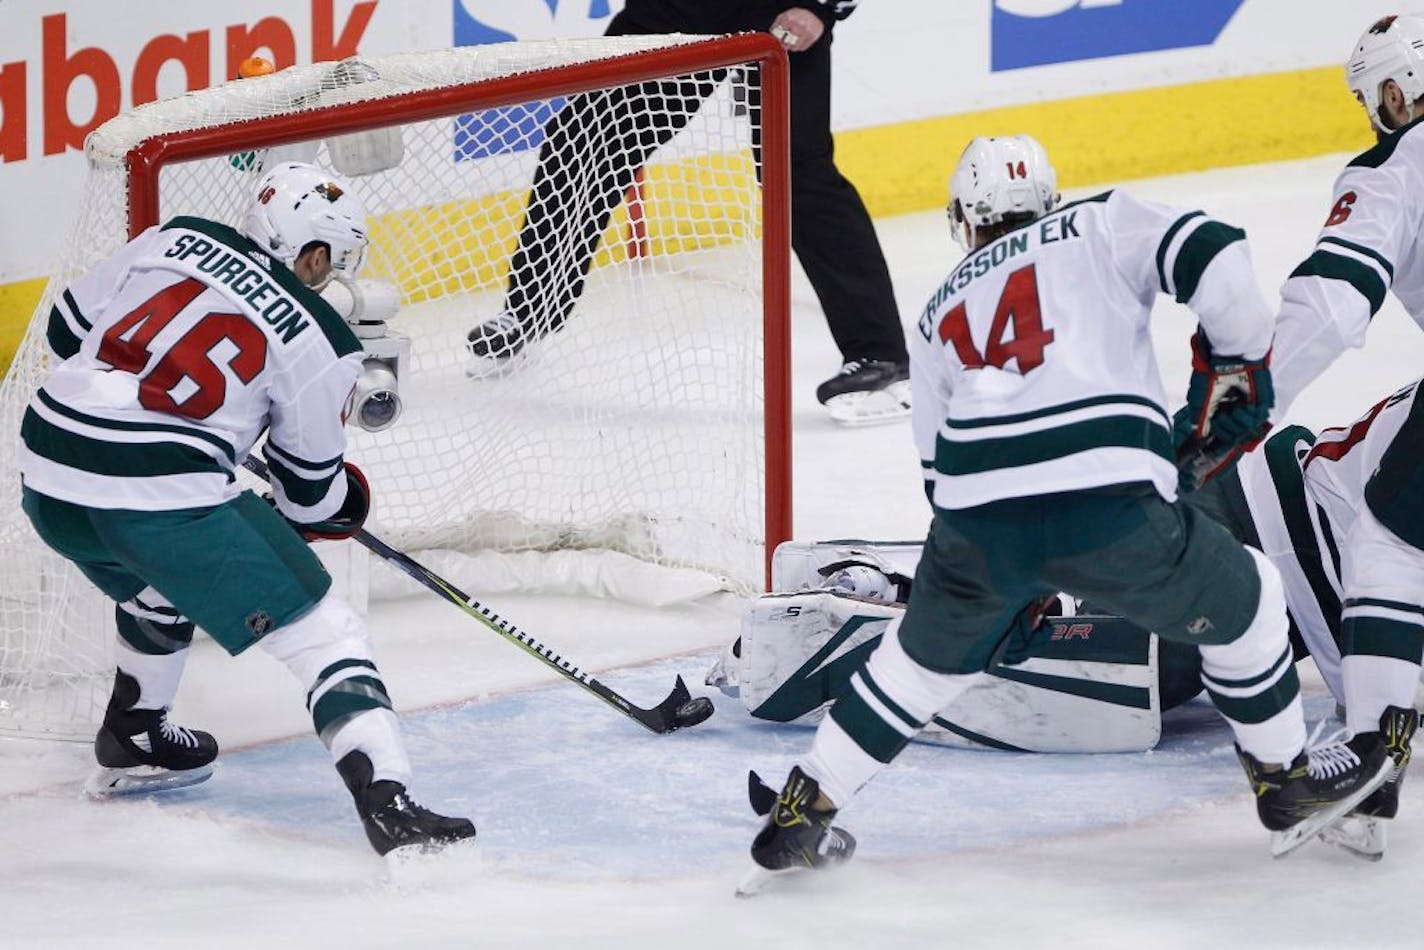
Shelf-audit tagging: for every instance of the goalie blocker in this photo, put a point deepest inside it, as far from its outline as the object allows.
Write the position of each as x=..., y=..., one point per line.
x=1076, y=683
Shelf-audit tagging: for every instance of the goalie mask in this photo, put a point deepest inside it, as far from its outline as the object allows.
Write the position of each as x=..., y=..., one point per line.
x=999, y=180
x=1393, y=48
x=296, y=205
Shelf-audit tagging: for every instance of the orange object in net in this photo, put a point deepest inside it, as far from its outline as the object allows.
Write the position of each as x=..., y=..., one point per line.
x=255, y=66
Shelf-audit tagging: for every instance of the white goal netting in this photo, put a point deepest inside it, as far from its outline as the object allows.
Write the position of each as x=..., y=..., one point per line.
x=633, y=419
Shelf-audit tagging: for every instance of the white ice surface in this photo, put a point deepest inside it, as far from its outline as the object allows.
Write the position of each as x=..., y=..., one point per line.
x=594, y=833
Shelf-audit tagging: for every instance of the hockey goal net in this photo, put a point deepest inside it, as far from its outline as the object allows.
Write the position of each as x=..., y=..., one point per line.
x=652, y=424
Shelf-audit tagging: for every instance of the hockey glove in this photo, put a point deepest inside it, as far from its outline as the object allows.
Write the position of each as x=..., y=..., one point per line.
x=349, y=518
x=1228, y=411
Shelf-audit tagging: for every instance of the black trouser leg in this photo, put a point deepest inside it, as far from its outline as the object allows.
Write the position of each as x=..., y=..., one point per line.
x=591, y=153
x=831, y=231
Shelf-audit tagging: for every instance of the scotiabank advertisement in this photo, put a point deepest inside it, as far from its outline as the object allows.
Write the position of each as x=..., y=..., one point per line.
x=67, y=65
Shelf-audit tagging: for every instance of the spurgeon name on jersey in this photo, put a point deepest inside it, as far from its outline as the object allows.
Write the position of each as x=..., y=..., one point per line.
x=176, y=353
x=245, y=278
x=1033, y=370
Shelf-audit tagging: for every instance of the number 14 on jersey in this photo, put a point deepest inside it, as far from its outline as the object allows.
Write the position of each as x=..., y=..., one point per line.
x=1018, y=307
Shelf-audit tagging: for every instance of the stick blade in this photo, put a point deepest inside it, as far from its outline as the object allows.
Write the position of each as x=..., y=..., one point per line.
x=679, y=711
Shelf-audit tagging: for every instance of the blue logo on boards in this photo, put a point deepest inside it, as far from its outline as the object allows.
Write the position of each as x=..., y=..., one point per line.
x=1038, y=32
x=477, y=22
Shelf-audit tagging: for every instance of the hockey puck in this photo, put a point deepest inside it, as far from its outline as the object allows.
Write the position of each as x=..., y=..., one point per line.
x=692, y=712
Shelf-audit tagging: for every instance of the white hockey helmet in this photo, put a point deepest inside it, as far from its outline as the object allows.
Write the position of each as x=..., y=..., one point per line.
x=296, y=204
x=997, y=179
x=1392, y=48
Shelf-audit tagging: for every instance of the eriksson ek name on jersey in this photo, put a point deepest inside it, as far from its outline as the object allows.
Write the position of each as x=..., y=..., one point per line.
x=247, y=280
x=1047, y=231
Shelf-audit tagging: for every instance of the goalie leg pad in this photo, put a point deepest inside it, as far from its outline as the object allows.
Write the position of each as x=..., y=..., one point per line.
x=1087, y=684
x=798, y=650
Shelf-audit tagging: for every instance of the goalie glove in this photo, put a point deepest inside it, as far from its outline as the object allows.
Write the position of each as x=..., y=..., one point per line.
x=1228, y=411
x=349, y=518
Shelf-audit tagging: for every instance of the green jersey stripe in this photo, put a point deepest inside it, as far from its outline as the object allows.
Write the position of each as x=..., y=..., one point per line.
x=1376, y=636
x=297, y=463
x=876, y=737
x=987, y=455
x=344, y=702
x=1379, y=154
x=889, y=703
x=1387, y=604
x=1281, y=661
x=120, y=459
x=1167, y=241
x=153, y=639
x=337, y=667
x=1394, y=489
x=1290, y=488
x=99, y=422
x=1357, y=274
x=1360, y=249
x=300, y=490
x=1113, y=400
x=75, y=312
x=62, y=339
x=1198, y=251
x=1263, y=705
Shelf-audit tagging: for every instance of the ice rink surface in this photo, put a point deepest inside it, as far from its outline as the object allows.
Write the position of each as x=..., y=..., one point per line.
x=595, y=833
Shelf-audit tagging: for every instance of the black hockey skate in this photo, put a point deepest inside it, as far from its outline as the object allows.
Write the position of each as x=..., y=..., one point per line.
x=866, y=392
x=797, y=836
x=1316, y=790
x=139, y=750
x=391, y=819
x=1363, y=833
x=498, y=339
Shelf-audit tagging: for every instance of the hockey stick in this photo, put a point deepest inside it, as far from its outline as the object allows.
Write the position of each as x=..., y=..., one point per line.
x=677, y=711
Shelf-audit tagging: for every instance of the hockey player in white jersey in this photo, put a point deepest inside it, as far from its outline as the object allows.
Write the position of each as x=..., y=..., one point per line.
x=1048, y=456
x=174, y=357
x=1368, y=246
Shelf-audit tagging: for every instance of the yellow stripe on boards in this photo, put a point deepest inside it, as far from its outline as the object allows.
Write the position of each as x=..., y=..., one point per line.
x=1118, y=136
x=17, y=305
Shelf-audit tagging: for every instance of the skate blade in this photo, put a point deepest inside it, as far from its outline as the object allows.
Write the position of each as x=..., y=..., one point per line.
x=141, y=780
x=877, y=407
x=1360, y=835
x=1284, y=842
x=755, y=880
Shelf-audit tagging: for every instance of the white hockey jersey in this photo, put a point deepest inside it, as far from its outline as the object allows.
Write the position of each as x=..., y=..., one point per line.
x=1033, y=370
x=1304, y=495
x=178, y=352
x=1368, y=246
